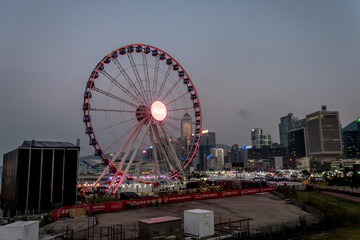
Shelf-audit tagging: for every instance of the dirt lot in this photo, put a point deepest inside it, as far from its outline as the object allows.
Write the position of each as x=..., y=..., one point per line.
x=262, y=209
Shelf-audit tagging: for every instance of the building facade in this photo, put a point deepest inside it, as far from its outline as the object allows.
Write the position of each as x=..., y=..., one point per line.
x=324, y=135
x=234, y=154
x=39, y=176
x=219, y=154
x=285, y=125
x=207, y=142
x=351, y=140
x=261, y=158
x=259, y=139
x=297, y=143
x=186, y=128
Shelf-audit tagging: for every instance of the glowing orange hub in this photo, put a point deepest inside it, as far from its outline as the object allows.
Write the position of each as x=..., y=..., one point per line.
x=158, y=111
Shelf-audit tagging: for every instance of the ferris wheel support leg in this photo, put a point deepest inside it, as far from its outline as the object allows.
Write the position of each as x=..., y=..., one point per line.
x=132, y=158
x=123, y=159
x=155, y=154
x=117, y=154
x=120, y=165
x=172, y=151
x=162, y=149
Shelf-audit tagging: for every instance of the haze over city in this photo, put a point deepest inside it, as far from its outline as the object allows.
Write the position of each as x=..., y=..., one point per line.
x=251, y=62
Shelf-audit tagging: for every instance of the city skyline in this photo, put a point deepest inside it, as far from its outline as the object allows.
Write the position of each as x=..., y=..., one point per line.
x=252, y=62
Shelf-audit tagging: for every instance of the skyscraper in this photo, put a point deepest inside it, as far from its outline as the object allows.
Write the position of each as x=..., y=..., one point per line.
x=207, y=141
x=351, y=140
x=260, y=140
x=285, y=125
x=219, y=154
x=324, y=135
x=297, y=143
x=234, y=155
x=186, y=128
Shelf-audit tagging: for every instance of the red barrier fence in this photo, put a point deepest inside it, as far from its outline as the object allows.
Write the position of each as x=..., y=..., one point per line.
x=152, y=201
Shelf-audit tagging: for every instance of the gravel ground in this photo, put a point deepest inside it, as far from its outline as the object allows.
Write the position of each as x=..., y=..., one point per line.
x=262, y=209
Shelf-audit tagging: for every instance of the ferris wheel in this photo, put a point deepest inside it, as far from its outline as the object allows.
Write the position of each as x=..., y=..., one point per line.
x=142, y=114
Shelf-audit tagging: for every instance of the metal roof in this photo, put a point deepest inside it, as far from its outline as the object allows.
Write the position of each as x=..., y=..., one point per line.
x=159, y=220
x=92, y=162
x=47, y=144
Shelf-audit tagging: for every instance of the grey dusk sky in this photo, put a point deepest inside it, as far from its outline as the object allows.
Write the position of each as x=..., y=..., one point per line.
x=251, y=62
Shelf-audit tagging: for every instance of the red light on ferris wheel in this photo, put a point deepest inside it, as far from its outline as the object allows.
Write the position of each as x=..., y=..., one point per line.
x=158, y=111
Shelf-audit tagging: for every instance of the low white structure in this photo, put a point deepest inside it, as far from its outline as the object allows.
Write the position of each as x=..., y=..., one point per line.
x=199, y=223
x=28, y=230
x=303, y=163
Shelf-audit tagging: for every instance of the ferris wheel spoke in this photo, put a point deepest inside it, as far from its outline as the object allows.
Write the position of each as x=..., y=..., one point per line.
x=179, y=109
x=146, y=73
x=155, y=154
x=181, y=96
x=173, y=126
x=121, y=137
x=114, y=125
x=118, y=153
x=161, y=143
x=121, y=87
x=174, y=118
x=164, y=82
x=156, y=73
x=171, y=132
x=132, y=158
x=137, y=166
x=124, y=157
x=171, y=150
x=112, y=110
x=137, y=75
x=129, y=81
x=114, y=97
x=172, y=88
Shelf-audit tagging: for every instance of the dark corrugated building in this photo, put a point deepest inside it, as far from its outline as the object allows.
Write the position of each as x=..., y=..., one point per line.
x=39, y=175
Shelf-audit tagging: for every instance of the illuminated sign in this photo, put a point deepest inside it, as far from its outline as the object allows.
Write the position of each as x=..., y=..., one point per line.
x=205, y=131
x=158, y=111
x=359, y=120
x=247, y=147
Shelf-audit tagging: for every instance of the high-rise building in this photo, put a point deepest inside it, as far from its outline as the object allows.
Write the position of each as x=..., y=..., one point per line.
x=351, y=140
x=254, y=158
x=324, y=135
x=207, y=141
x=186, y=128
x=297, y=143
x=219, y=154
x=285, y=125
x=234, y=155
x=260, y=140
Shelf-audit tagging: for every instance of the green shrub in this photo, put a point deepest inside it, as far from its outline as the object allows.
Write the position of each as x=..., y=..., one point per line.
x=45, y=219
